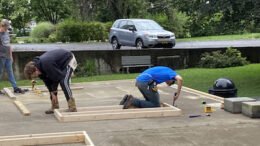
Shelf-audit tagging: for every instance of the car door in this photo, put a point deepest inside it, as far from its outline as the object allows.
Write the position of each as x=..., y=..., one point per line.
x=130, y=33
x=122, y=32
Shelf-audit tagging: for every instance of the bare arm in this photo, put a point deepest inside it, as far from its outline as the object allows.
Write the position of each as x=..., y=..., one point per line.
x=11, y=54
x=179, y=80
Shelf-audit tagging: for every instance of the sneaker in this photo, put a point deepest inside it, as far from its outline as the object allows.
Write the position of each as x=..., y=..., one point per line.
x=49, y=111
x=123, y=100
x=1, y=92
x=128, y=102
x=19, y=90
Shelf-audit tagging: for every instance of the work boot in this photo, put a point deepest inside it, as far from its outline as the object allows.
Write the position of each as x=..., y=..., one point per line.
x=72, y=105
x=123, y=100
x=128, y=103
x=53, y=106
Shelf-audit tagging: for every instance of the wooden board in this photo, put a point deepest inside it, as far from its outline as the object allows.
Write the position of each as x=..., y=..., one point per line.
x=59, y=89
x=206, y=95
x=22, y=108
x=9, y=93
x=46, y=139
x=18, y=104
x=114, y=112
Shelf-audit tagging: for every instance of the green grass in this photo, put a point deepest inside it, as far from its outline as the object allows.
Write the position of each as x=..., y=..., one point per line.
x=222, y=37
x=246, y=78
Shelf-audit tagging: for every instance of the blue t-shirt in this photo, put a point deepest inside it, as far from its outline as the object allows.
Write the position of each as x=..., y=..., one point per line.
x=158, y=74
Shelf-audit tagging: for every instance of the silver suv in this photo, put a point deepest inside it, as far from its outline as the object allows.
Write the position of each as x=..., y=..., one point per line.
x=141, y=33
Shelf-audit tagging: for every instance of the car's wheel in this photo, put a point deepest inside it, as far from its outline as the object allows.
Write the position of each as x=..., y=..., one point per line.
x=139, y=44
x=115, y=44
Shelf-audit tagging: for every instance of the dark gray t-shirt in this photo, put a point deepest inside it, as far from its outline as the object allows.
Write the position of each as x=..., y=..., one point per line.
x=4, y=44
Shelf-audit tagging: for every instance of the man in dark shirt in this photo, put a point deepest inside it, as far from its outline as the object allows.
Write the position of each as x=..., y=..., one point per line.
x=54, y=67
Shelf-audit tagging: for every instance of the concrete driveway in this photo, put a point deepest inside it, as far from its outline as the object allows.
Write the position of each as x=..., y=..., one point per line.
x=220, y=129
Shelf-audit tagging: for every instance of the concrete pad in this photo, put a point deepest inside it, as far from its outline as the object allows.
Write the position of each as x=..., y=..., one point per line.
x=221, y=128
x=234, y=105
x=251, y=109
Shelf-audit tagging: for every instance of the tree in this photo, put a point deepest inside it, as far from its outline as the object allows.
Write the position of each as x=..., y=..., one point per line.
x=52, y=10
x=6, y=8
x=110, y=10
x=21, y=14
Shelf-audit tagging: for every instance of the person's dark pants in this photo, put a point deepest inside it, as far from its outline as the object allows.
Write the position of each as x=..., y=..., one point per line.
x=64, y=83
x=152, y=98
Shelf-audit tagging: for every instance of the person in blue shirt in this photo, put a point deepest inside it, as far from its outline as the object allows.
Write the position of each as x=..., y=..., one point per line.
x=147, y=82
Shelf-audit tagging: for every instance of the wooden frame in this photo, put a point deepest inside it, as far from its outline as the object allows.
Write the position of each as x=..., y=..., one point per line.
x=59, y=89
x=206, y=95
x=115, y=112
x=47, y=139
x=17, y=103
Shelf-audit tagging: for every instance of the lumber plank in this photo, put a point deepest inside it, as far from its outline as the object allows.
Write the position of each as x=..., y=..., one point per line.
x=118, y=110
x=46, y=139
x=22, y=108
x=125, y=115
x=59, y=89
x=94, y=108
x=88, y=141
x=9, y=93
x=110, y=112
x=206, y=95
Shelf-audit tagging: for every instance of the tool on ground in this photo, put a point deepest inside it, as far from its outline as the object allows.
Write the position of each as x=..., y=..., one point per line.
x=195, y=116
x=37, y=91
x=208, y=109
x=173, y=102
x=203, y=102
x=33, y=84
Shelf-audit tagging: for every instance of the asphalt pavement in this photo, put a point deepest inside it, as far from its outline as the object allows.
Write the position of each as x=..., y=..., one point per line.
x=221, y=128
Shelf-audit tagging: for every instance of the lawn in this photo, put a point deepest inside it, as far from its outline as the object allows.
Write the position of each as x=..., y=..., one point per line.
x=246, y=78
x=222, y=37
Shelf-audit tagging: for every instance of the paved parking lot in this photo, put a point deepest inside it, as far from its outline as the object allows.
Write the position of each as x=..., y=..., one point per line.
x=220, y=129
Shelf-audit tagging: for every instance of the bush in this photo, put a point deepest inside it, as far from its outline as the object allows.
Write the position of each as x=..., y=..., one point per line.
x=42, y=30
x=231, y=58
x=73, y=31
x=88, y=68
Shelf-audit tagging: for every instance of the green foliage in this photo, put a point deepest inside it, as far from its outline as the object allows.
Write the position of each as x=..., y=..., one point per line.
x=231, y=58
x=51, y=10
x=69, y=30
x=74, y=31
x=88, y=68
x=42, y=30
x=178, y=25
